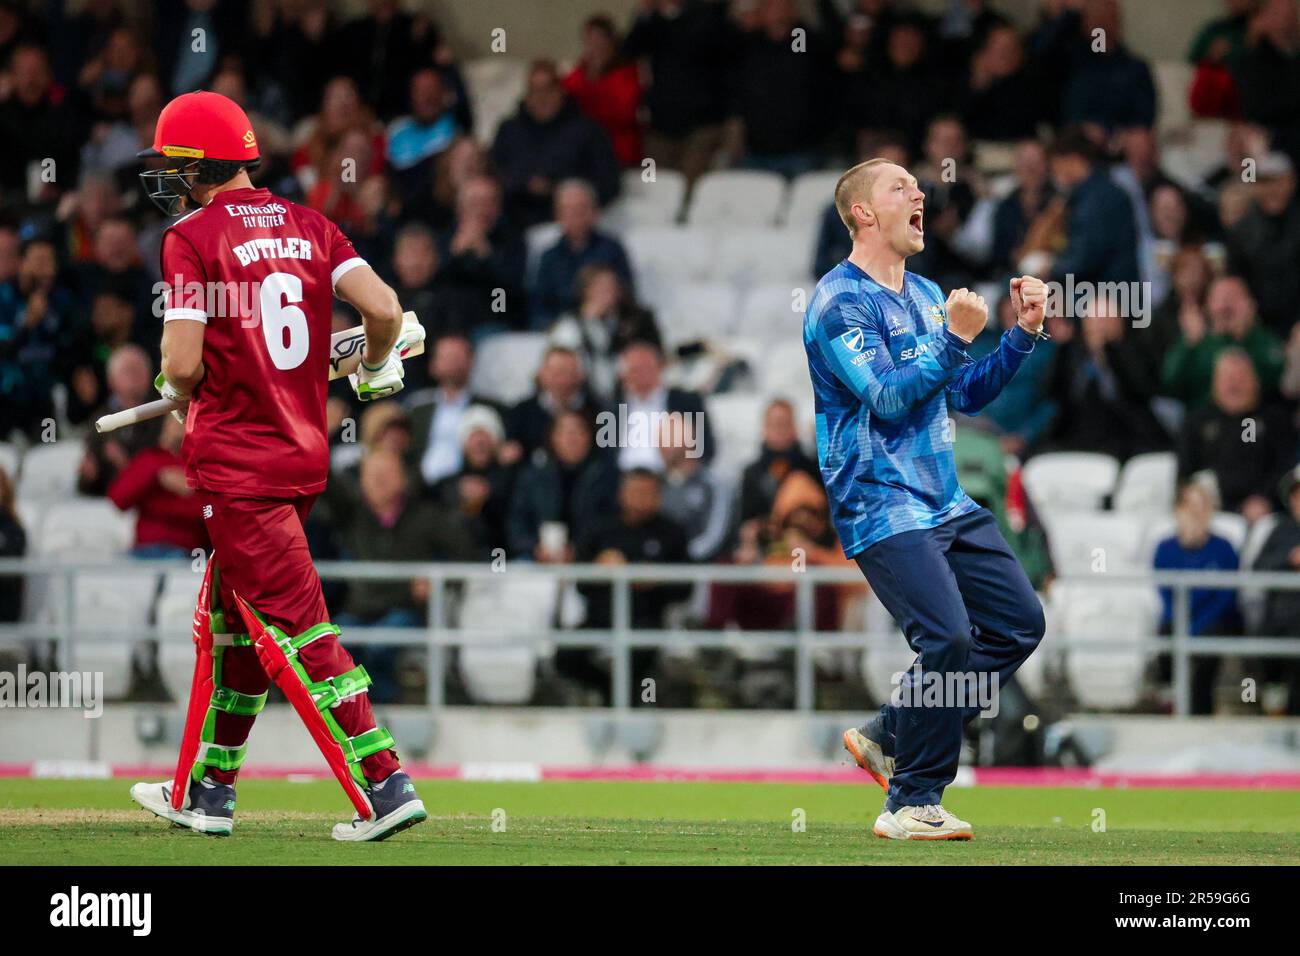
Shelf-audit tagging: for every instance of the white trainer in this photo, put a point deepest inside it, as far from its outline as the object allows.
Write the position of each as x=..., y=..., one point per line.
x=931, y=822
x=866, y=753
x=207, y=808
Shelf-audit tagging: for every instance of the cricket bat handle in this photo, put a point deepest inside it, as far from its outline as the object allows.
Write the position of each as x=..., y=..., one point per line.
x=345, y=355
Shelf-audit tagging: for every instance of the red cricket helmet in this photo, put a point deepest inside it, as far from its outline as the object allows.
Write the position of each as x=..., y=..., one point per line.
x=209, y=136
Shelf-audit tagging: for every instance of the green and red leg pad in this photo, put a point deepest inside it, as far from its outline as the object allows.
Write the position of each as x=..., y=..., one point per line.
x=313, y=700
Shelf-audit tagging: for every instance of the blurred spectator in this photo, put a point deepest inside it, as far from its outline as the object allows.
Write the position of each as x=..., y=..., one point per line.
x=1105, y=86
x=321, y=138
x=644, y=399
x=1190, y=274
x=1245, y=444
x=113, y=144
x=580, y=244
x=1022, y=413
x=188, y=64
x=1003, y=98
x=416, y=139
x=905, y=91
x=274, y=144
x=37, y=316
x=1093, y=215
x=547, y=141
x=607, y=89
x=129, y=378
x=38, y=126
x=83, y=210
x=1229, y=320
x=797, y=532
x=116, y=267
x=111, y=318
x=1281, y=552
x=687, y=45
x=436, y=412
x=169, y=516
x=443, y=307
x=480, y=491
x=947, y=176
x=388, y=523
x=782, y=92
x=562, y=493
x=1264, y=244
x=606, y=321
x=1101, y=387
x=1193, y=547
x=1216, y=52
x=638, y=533
x=1269, y=73
x=463, y=160
x=13, y=544
x=305, y=38
x=1023, y=205
x=779, y=456
x=695, y=499
x=483, y=259
x=561, y=387
x=104, y=79
x=384, y=47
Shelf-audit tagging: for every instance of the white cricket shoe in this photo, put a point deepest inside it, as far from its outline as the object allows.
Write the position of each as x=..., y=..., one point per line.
x=867, y=754
x=395, y=805
x=209, y=807
x=930, y=822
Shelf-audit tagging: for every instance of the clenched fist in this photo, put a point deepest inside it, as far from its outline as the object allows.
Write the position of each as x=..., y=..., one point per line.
x=1029, y=296
x=967, y=314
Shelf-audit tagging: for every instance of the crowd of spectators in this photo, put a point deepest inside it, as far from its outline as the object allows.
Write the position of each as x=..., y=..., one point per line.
x=370, y=121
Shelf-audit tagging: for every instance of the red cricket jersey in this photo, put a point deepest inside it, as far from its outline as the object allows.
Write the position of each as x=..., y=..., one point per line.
x=260, y=272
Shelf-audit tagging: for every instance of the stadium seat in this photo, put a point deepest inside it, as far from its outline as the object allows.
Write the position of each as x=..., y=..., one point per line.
x=11, y=458
x=641, y=203
x=84, y=529
x=736, y=197
x=811, y=194
x=746, y=256
x=1191, y=154
x=519, y=607
x=1252, y=601
x=1146, y=483
x=736, y=421
x=774, y=311
x=1092, y=543
x=495, y=84
x=783, y=373
x=537, y=240
x=50, y=471
x=1173, y=80
x=505, y=365
x=690, y=311
x=664, y=255
x=1105, y=678
x=1069, y=481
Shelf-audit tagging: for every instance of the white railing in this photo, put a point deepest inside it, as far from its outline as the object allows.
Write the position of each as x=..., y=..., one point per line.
x=58, y=619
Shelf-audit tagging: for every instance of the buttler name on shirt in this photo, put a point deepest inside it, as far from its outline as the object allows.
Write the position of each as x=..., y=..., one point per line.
x=287, y=247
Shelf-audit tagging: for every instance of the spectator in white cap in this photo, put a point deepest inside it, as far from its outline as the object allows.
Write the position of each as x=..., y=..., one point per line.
x=480, y=490
x=1264, y=244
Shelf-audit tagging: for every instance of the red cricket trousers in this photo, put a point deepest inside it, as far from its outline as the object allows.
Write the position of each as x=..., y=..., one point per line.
x=261, y=553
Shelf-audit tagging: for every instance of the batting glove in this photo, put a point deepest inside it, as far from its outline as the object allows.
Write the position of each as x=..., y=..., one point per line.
x=170, y=392
x=379, y=381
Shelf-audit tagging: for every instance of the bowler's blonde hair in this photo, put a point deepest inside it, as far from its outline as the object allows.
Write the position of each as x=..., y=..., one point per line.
x=855, y=186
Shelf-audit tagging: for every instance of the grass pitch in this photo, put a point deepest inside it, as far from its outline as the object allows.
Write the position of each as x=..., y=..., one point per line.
x=78, y=823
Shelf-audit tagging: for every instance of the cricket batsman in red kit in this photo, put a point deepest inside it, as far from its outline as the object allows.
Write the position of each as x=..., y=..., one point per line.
x=252, y=378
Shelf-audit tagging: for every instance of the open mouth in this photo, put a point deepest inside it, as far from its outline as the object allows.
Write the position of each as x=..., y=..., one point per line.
x=916, y=224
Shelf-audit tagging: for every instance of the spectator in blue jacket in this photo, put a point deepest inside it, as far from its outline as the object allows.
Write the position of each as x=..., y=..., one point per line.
x=547, y=141
x=555, y=289
x=1194, y=547
x=1100, y=231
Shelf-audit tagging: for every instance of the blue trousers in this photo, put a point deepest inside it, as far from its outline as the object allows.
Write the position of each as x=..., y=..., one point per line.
x=965, y=607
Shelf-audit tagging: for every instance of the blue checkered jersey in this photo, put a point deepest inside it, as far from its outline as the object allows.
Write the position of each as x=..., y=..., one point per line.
x=884, y=371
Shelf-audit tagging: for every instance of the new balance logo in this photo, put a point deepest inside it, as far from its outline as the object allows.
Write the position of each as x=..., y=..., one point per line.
x=207, y=511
